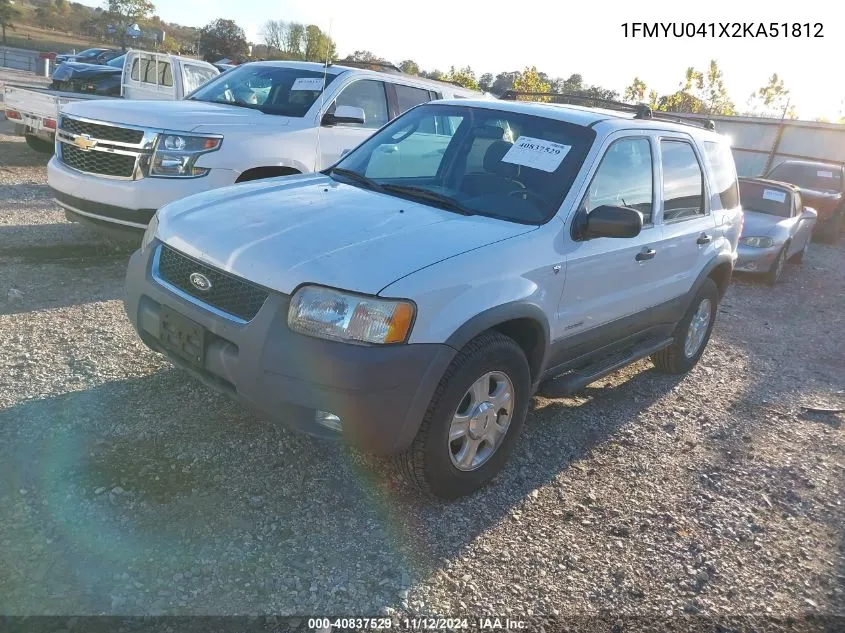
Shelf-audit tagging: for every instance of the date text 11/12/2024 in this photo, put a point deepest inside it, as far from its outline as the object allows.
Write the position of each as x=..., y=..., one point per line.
x=417, y=624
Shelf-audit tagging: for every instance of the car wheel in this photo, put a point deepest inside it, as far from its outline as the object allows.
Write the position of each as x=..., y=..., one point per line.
x=799, y=256
x=472, y=421
x=691, y=334
x=39, y=145
x=776, y=271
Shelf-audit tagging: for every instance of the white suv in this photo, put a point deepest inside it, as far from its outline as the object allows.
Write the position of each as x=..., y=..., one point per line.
x=413, y=297
x=118, y=161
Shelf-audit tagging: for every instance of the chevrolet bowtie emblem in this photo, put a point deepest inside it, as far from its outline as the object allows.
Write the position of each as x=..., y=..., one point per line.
x=85, y=142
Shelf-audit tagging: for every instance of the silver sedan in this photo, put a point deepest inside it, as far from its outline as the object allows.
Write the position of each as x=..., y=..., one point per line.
x=777, y=227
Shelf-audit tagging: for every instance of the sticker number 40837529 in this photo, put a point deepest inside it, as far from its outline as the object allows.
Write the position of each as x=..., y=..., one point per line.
x=536, y=153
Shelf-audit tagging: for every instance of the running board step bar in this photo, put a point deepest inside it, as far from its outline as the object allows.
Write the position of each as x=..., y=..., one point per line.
x=572, y=382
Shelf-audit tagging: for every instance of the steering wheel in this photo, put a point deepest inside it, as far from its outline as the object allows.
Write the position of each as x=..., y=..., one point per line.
x=527, y=193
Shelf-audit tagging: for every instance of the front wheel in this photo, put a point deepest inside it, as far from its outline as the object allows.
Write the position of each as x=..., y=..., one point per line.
x=39, y=145
x=776, y=271
x=472, y=421
x=692, y=333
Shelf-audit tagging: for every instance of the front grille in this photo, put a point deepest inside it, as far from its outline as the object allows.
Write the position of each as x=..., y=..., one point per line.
x=94, y=162
x=102, y=132
x=230, y=294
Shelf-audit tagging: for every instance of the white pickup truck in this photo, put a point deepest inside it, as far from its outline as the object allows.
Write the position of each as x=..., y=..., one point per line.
x=117, y=162
x=35, y=111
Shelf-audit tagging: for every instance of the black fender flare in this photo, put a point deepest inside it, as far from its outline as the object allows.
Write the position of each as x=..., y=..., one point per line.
x=497, y=315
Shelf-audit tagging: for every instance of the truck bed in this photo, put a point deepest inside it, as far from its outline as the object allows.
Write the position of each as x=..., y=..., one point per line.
x=37, y=106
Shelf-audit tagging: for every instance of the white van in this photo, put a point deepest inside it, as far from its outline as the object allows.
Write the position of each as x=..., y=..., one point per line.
x=117, y=162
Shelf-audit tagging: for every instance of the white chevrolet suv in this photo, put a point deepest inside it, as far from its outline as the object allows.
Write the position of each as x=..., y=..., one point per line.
x=118, y=161
x=411, y=298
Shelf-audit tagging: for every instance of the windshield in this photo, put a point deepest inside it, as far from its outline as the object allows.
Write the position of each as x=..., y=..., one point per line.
x=270, y=89
x=768, y=199
x=808, y=176
x=117, y=62
x=516, y=167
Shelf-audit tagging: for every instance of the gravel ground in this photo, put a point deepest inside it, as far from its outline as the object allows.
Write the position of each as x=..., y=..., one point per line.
x=128, y=488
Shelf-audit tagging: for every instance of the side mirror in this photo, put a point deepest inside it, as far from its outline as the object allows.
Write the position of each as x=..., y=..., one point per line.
x=345, y=114
x=809, y=214
x=608, y=221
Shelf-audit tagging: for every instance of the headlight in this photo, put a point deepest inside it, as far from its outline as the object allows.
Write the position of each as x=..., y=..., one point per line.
x=333, y=314
x=176, y=155
x=150, y=233
x=757, y=242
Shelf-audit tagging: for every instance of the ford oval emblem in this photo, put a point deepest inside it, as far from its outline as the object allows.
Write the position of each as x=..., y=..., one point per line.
x=200, y=282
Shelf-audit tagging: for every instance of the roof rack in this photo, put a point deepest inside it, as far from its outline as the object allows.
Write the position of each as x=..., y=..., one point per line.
x=383, y=66
x=640, y=110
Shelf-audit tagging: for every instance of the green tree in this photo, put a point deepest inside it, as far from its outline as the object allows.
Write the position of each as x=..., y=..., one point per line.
x=464, y=77
x=121, y=14
x=486, y=82
x=530, y=80
x=772, y=100
x=503, y=82
x=635, y=93
x=223, y=38
x=365, y=56
x=8, y=12
x=318, y=45
x=715, y=95
x=410, y=67
x=294, y=38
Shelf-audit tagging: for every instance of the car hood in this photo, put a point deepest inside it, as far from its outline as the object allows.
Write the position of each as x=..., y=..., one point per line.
x=298, y=229
x=77, y=70
x=757, y=224
x=186, y=115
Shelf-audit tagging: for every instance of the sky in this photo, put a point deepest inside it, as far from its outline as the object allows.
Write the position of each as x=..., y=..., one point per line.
x=565, y=36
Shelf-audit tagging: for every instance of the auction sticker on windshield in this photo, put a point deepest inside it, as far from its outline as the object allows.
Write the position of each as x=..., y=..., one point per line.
x=774, y=195
x=308, y=83
x=536, y=153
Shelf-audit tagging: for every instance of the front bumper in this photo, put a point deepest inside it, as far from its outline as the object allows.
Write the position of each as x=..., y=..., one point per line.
x=380, y=393
x=124, y=204
x=756, y=260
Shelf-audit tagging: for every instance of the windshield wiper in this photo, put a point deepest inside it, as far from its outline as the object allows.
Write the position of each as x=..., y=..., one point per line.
x=430, y=196
x=354, y=175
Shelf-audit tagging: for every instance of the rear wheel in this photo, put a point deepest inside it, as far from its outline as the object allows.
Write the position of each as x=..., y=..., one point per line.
x=692, y=333
x=776, y=271
x=472, y=421
x=39, y=145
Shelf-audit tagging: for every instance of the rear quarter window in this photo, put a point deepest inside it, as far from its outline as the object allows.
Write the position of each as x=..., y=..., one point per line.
x=723, y=172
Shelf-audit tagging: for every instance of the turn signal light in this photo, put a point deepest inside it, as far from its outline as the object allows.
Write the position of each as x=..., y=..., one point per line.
x=13, y=114
x=50, y=124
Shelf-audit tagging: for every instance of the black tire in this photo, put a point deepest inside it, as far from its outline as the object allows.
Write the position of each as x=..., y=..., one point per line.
x=778, y=266
x=427, y=464
x=39, y=145
x=673, y=359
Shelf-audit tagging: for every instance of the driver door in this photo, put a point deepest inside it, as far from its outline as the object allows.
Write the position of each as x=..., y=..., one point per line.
x=612, y=282
x=366, y=94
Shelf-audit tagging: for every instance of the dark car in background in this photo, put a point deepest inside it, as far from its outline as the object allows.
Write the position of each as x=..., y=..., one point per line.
x=822, y=187
x=100, y=79
x=90, y=56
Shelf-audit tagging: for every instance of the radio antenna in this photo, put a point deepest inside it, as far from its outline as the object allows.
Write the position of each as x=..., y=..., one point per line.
x=322, y=98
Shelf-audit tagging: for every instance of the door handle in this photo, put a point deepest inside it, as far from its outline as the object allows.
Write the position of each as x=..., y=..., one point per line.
x=645, y=254
x=703, y=239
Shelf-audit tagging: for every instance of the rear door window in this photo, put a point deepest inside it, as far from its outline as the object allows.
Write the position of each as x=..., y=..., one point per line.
x=407, y=97
x=683, y=181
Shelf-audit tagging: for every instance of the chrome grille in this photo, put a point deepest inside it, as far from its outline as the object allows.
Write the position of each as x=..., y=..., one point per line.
x=102, y=132
x=228, y=294
x=103, y=149
x=101, y=163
